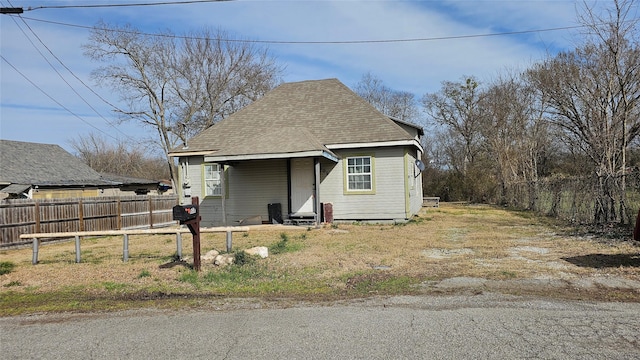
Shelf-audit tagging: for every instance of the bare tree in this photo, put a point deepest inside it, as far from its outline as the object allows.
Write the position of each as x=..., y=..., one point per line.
x=179, y=86
x=123, y=158
x=456, y=107
x=515, y=134
x=593, y=94
x=398, y=104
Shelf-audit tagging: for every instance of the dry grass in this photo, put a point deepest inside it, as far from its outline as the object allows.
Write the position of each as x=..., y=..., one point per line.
x=453, y=241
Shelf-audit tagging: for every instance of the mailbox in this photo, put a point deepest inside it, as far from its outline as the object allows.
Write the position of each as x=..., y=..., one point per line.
x=185, y=212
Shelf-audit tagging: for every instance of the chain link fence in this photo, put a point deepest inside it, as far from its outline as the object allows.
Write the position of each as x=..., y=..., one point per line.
x=573, y=199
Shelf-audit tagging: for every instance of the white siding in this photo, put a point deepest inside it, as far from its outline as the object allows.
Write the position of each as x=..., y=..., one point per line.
x=388, y=201
x=415, y=191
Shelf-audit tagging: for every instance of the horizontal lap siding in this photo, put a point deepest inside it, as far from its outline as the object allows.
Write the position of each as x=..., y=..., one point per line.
x=388, y=202
x=415, y=199
x=252, y=185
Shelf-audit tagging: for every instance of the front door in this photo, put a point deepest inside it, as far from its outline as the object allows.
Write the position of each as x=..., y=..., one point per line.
x=302, y=185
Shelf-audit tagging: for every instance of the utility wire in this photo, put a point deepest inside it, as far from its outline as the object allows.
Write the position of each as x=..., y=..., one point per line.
x=71, y=72
x=54, y=100
x=290, y=42
x=123, y=5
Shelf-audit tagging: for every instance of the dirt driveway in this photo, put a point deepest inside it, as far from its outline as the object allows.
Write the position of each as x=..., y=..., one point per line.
x=556, y=261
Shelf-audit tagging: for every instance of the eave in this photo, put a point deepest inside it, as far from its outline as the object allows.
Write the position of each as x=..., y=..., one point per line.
x=243, y=157
x=411, y=142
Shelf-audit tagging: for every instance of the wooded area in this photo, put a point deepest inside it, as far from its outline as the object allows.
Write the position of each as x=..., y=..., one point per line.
x=21, y=216
x=561, y=137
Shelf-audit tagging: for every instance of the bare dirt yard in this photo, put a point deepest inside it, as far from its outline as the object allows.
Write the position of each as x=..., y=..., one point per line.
x=456, y=248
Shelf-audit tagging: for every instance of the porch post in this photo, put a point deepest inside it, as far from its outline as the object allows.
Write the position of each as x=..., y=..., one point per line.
x=317, y=190
x=224, y=196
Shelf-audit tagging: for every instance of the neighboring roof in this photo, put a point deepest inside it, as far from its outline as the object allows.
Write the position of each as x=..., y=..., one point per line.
x=127, y=180
x=23, y=164
x=298, y=117
x=15, y=189
x=43, y=164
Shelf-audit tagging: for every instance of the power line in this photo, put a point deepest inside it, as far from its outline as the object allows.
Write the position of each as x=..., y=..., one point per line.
x=71, y=72
x=15, y=10
x=54, y=100
x=338, y=42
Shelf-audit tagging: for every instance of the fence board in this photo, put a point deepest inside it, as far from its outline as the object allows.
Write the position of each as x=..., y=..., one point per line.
x=20, y=216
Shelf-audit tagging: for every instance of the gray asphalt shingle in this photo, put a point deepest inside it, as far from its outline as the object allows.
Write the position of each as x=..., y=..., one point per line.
x=43, y=164
x=300, y=116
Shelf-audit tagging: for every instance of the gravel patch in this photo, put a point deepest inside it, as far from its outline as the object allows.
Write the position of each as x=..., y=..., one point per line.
x=532, y=249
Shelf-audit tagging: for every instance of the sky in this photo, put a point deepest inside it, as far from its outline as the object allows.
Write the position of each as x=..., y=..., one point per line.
x=47, y=94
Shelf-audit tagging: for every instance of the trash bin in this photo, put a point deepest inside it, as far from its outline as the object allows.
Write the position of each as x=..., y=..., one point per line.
x=275, y=213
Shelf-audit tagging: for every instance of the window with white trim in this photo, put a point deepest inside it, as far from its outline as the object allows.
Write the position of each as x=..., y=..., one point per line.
x=212, y=180
x=359, y=173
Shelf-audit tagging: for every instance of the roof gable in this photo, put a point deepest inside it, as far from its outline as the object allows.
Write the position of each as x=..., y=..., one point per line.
x=299, y=116
x=42, y=164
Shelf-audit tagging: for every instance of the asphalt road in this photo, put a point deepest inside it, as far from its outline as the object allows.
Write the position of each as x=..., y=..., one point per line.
x=488, y=326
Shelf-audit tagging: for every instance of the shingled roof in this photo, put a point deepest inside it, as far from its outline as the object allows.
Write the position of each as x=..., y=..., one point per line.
x=298, y=117
x=44, y=165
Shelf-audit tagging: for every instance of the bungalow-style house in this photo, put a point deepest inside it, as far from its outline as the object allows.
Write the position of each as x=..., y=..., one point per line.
x=309, y=151
x=37, y=171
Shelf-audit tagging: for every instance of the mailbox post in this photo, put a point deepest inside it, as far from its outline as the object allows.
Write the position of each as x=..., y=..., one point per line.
x=636, y=231
x=190, y=215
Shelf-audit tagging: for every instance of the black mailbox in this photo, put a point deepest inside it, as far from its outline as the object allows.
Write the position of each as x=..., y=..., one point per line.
x=185, y=212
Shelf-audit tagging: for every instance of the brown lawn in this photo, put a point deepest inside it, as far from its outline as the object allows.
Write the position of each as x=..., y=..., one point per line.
x=455, y=240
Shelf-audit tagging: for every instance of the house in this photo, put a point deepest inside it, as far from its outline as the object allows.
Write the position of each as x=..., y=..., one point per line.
x=36, y=171
x=310, y=150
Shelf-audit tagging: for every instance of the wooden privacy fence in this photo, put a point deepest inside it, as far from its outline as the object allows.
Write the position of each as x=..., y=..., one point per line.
x=28, y=216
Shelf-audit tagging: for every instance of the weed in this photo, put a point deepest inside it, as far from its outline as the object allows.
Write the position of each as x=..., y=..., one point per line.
x=233, y=276
x=144, y=273
x=113, y=286
x=13, y=283
x=334, y=226
x=6, y=267
x=380, y=283
x=242, y=258
x=281, y=246
x=284, y=245
x=190, y=277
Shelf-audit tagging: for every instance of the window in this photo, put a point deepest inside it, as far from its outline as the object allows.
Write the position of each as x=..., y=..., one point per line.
x=212, y=180
x=359, y=174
